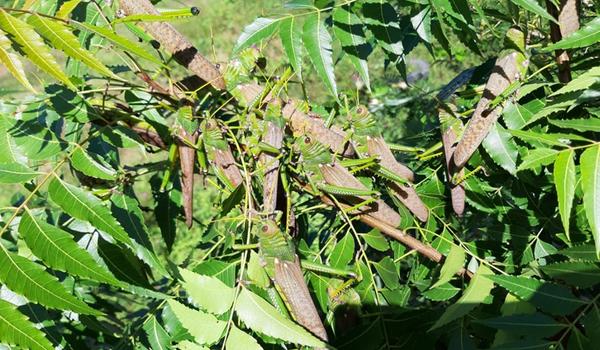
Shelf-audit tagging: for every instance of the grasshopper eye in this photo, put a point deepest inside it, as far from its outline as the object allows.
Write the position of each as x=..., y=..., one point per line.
x=361, y=110
x=307, y=140
x=195, y=11
x=267, y=230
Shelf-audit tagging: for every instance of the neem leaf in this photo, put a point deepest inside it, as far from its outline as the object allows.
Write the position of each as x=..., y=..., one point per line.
x=317, y=42
x=565, y=181
x=590, y=182
x=262, y=317
x=208, y=292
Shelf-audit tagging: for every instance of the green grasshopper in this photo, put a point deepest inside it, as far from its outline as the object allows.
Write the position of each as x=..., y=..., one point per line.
x=368, y=142
x=215, y=151
x=506, y=74
x=278, y=255
x=326, y=174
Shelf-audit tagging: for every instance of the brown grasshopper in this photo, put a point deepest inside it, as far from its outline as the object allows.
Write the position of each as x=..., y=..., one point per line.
x=276, y=248
x=508, y=70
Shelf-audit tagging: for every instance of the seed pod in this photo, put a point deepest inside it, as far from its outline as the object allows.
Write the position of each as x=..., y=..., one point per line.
x=337, y=175
x=507, y=70
x=303, y=124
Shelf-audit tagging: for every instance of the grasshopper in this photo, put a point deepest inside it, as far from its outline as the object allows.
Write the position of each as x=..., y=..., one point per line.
x=451, y=129
x=368, y=143
x=278, y=255
x=508, y=71
x=219, y=155
x=314, y=127
x=326, y=174
x=187, y=159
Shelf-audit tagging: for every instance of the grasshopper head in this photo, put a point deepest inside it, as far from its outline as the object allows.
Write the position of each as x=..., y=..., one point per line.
x=268, y=228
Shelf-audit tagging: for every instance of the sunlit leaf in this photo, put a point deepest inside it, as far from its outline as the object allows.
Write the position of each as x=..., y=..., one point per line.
x=590, y=183
x=317, y=42
x=258, y=30
x=33, y=46
x=479, y=288
x=16, y=329
x=262, y=317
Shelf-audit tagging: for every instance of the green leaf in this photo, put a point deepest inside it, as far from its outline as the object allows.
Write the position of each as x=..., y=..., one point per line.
x=208, y=292
x=441, y=293
x=590, y=183
x=552, y=298
x=262, y=317
x=205, y=328
x=66, y=8
x=382, y=20
x=565, y=181
x=388, y=273
x=584, y=252
x=421, y=22
x=16, y=329
x=291, y=38
x=31, y=138
x=342, y=252
x=317, y=42
x=63, y=39
x=586, y=36
x=58, y=250
x=577, y=273
x=11, y=152
x=583, y=124
x=13, y=64
x=118, y=40
x=553, y=139
x=348, y=29
x=537, y=157
x=33, y=46
x=29, y=279
x=534, y=325
x=533, y=6
x=13, y=173
x=517, y=116
x=125, y=208
x=239, y=339
x=479, y=288
x=376, y=240
x=83, y=162
x=157, y=336
x=499, y=145
x=82, y=205
x=583, y=81
x=256, y=31
x=454, y=262
x=526, y=344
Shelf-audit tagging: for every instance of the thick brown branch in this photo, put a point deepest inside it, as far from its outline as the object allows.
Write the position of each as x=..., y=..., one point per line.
x=568, y=18
x=175, y=43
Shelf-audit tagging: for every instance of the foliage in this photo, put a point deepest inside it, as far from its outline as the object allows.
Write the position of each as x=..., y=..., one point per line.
x=156, y=211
